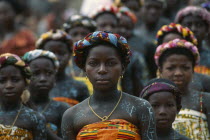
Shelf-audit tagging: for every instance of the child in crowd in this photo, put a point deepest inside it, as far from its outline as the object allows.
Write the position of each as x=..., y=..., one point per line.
x=16, y=120
x=66, y=88
x=165, y=99
x=44, y=65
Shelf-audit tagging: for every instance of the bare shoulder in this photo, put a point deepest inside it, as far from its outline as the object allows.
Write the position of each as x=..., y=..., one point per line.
x=72, y=111
x=137, y=101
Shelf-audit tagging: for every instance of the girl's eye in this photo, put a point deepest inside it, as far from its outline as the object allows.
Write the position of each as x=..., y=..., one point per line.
x=154, y=105
x=171, y=105
x=111, y=63
x=49, y=73
x=170, y=68
x=92, y=63
x=15, y=79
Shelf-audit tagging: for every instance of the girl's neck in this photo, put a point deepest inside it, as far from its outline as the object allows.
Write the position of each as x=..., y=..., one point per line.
x=104, y=96
x=163, y=133
x=40, y=99
x=9, y=106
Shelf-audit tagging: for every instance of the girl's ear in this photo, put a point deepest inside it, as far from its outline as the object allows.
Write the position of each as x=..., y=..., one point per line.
x=159, y=72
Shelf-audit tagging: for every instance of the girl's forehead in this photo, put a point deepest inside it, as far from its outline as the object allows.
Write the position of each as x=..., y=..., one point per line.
x=10, y=69
x=162, y=96
x=102, y=50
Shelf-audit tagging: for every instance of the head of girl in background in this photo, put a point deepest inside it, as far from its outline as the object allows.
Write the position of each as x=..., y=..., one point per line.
x=127, y=21
x=106, y=18
x=7, y=14
x=58, y=42
x=165, y=99
x=174, y=31
x=79, y=26
x=43, y=65
x=14, y=77
x=176, y=60
x=151, y=10
x=133, y=5
x=103, y=56
x=197, y=19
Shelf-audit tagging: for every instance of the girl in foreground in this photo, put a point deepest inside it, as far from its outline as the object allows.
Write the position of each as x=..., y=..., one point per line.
x=108, y=114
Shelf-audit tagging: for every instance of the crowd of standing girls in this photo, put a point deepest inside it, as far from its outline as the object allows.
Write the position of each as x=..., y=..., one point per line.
x=127, y=70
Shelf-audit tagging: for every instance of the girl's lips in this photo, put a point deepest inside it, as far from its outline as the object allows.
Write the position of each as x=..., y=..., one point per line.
x=10, y=94
x=102, y=81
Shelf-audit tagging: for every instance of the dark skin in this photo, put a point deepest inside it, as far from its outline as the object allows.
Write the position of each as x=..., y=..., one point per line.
x=197, y=26
x=179, y=69
x=165, y=108
x=133, y=5
x=106, y=22
x=79, y=32
x=153, y=11
x=43, y=78
x=77, y=90
x=199, y=80
x=131, y=82
x=103, y=67
x=12, y=84
x=7, y=20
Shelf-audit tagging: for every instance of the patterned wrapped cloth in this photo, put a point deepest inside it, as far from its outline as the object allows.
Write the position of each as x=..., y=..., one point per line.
x=79, y=20
x=126, y=11
x=160, y=86
x=176, y=43
x=192, y=124
x=104, y=9
x=69, y=101
x=12, y=59
x=195, y=11
x=15, y=133
x=29, y=56
x=97, y=38
x=57, y=35
x=116, y=129
x=185, y=32
x=120, y=3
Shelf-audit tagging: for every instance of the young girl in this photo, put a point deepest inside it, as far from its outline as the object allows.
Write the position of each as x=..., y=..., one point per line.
x=165, y=99
x=106, y=18
x=16, y=120
x=197, y=19
x=173, y=31
x=108, y=114
x=44, y=65
x=66, y=89
x=176, y=60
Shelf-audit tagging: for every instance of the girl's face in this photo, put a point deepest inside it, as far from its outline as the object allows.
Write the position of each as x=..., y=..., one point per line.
x=106, y=22
x=12, y=83
x=78, y=33
x=125, y=27
x=103, y=67
x=177, y=68
x=43, y=75
x=165, y=108
x=61, y=51
x=196, y=25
